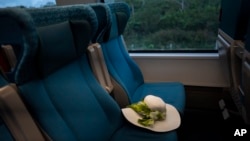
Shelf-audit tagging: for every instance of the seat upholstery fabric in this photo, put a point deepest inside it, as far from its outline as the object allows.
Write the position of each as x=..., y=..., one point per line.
x=58, y=94
x=5, y=134
x=127, y=73
x=12, y=29
x=10, y=34
x=56, y=82
x=128, y=131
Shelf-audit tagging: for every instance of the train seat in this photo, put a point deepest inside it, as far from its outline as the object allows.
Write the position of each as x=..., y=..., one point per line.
x=125, y=73
x=57, y=90
x=10, y=45
x=56, y=82
x=5, y=133
x=103, y=14
x=16, y=123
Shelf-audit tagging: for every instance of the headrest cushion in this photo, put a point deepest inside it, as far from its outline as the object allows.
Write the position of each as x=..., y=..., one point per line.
x=10, y=32
x=120, y=16
x=57, y=47
x=53, y=15
x=29, y=41
x=103, y=14
x=74, y=13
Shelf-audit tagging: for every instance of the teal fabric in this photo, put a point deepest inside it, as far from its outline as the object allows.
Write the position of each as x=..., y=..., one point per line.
x=73, y=13
x=120, y=64
x=121, y=67
x=170, y=92
x=10, y=34
x=69, y=107
x=103, y=18
x=132, y=133
x=3, y=80
x=66, y=105
x=128, y=132
x=5, y=134
x=63, y=95
x=52, y=15
x=54, y=41
x=120, y=13
x=29, y=38
x=65, y=98
x=127, y=73
x=12, y=29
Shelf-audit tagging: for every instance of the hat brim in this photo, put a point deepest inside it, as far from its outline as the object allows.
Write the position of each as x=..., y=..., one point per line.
x=171, y=122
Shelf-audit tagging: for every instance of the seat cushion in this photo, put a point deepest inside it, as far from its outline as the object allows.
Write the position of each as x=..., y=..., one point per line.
x=72, y=106
x=4, y=132
x=171, y=92
x=61, y=97
x=130, y=132
x=124, y=70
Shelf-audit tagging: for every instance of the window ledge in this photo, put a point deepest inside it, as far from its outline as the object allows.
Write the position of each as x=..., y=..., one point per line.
x=176, y=55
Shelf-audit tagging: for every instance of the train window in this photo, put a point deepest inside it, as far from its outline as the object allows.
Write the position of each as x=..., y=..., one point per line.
x=27, y=3
x=172, y=25
x=161, y=25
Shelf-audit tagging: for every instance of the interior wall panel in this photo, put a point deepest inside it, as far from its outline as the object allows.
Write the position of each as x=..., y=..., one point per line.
x=190, y=69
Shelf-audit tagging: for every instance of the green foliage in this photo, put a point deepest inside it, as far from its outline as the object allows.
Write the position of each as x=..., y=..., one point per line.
x=172, y=24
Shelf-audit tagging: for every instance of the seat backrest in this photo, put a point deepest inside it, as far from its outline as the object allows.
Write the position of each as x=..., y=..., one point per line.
x=62, y=92
x=5, y=132
x=102, y=35
x=13, y=112
x=10, y=45
x=103, y=17
x=17, y=117
x=121, y=66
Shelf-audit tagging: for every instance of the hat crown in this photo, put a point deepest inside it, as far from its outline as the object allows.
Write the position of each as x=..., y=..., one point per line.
x=155, y=103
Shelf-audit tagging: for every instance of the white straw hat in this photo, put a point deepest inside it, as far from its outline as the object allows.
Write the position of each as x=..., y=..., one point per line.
x=171, y=121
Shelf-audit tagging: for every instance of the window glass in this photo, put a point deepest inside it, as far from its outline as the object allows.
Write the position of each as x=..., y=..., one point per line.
x=26, y=3
x=172, y=24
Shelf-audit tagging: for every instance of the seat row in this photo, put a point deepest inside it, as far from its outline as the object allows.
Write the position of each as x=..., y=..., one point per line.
x=55, y=78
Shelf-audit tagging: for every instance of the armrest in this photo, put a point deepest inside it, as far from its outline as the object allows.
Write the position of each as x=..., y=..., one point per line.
x=16, y=116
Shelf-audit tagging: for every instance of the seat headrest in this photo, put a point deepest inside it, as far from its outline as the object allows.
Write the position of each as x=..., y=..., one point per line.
x=64, y=34
x=59, y=47
x=29, y=39
x=56, y=48
x=120, y=14
x=103, y=14
x=53, y=15
x=73, y=13
x=10, y=32
x=10, y=37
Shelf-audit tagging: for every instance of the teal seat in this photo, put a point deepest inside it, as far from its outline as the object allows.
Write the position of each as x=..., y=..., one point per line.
x=56, y=82
x=60, y=92
x=5, y=134
x=10, y=33
x=125, y=71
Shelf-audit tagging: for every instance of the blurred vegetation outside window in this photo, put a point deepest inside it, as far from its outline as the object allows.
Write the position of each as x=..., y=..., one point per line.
x=172, y=24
